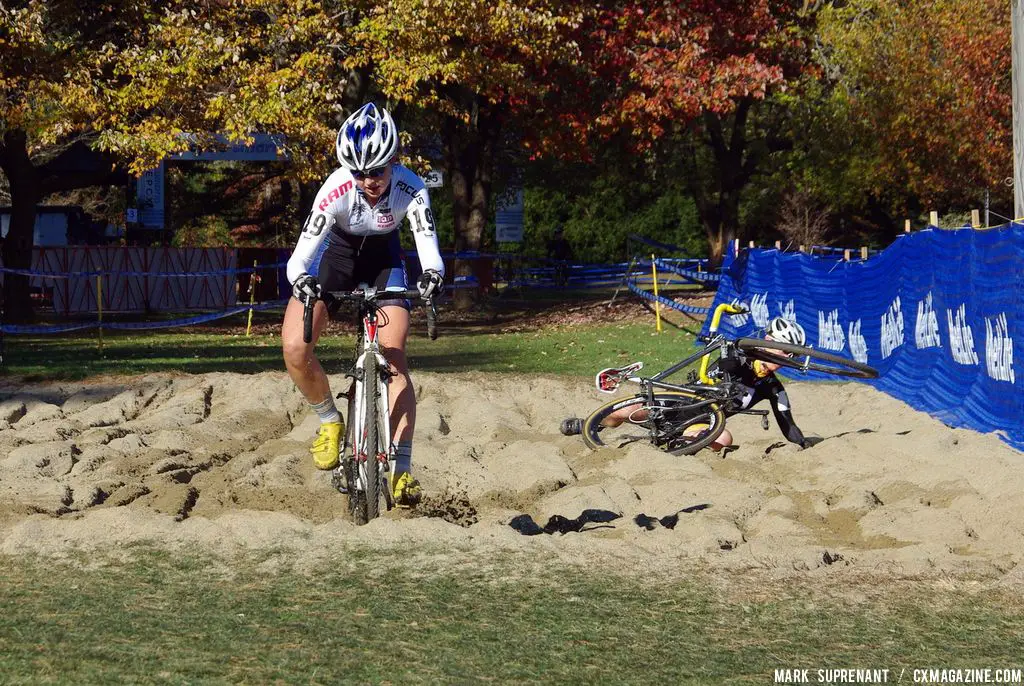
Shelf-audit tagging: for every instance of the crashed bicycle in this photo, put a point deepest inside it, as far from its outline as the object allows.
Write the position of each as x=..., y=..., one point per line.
x=682, y=419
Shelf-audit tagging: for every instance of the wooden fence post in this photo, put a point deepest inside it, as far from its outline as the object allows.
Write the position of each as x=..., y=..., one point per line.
x=906, y=226
x=778, y=245
x=864, y=252
x=846, y=255
x=976, y=219
x=933, y=219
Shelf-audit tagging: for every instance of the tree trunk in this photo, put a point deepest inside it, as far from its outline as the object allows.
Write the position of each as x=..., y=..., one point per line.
x=26, y=192
x=76, y=166
x=470, y=160
x=734, y=165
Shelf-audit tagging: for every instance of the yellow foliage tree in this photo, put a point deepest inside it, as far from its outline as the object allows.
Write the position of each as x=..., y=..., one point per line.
x=476, y=68
x=129, y=77
x=48, y=101
x=927, y=83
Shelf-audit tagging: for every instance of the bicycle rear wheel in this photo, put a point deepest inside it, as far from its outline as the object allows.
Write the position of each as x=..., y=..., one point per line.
x=804, y=358
x=679, y=423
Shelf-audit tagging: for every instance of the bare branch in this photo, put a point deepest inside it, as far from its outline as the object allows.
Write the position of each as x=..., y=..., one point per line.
x=802, y=221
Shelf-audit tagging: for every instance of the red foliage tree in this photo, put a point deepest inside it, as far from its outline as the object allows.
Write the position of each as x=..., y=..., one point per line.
x=693, y=73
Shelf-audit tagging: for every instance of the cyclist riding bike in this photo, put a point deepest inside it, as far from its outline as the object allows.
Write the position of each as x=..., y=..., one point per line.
x=756, y=376
x=351, y=237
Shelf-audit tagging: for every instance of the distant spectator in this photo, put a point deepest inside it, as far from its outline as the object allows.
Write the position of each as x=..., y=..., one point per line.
x=560, y=251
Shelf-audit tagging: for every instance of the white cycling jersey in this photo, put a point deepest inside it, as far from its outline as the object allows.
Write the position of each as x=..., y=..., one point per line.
x=341, y=207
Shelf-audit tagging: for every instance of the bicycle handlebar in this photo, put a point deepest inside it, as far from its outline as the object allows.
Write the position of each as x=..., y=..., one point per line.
x=370, y=294
x=307, y=321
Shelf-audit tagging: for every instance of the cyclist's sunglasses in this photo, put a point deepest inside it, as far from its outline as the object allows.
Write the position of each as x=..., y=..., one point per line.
x=374, y=173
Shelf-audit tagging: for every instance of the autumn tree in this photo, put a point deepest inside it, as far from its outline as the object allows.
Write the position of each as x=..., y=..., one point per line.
x=233, y=68
x=689, y=82
x=926, y=85
x=48, y=101
x=475, y=70
x=130, y=78
x=458, y=71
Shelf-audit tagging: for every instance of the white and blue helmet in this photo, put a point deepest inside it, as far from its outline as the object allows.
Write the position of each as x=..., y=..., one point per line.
x=367, y=139
x=785, y=331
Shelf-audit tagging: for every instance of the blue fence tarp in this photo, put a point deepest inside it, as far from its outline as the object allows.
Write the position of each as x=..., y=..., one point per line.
x=938, y=313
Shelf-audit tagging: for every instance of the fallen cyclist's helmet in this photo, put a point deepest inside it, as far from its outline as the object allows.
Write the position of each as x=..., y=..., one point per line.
x=368, y=139
x=785, y=331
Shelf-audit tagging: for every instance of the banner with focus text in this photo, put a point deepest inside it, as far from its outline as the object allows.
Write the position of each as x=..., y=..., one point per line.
x=939, y=314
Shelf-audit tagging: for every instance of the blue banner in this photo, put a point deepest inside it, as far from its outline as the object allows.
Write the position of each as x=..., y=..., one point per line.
x=938, y=314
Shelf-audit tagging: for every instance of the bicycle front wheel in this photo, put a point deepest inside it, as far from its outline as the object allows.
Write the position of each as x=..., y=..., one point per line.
x=370, y=469
x=350, y=463
x=807, y=359
x=677, y=422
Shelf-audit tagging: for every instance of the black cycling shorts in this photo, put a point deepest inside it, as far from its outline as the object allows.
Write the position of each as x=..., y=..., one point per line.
x=374, y=260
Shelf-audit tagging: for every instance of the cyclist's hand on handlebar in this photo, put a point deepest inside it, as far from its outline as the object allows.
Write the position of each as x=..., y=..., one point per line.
x=431, y=283
x=306, y=289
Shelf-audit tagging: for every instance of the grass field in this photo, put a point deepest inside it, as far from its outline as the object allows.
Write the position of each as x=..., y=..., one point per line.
x=513, y=344
x=166, y=619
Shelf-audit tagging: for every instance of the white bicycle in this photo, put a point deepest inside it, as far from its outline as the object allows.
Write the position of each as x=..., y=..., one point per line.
x=366, y=455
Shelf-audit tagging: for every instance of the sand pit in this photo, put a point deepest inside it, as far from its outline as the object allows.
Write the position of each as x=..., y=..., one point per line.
x=219, y=462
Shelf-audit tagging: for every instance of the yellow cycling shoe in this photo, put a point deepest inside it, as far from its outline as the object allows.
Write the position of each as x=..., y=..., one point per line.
x=327, y=445
x=407, y=490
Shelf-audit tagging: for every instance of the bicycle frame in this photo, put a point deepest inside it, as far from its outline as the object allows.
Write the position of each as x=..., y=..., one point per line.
x=716, y=342
x=722, y=392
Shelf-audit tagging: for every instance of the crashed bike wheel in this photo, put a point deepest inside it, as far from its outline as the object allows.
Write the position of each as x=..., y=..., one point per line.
x=676, y=422
x=800, y=357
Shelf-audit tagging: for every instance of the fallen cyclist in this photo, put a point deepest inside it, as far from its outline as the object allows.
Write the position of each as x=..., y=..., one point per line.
x=757, y=377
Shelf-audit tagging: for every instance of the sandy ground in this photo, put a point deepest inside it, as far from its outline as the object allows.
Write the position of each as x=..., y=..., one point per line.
x=219, y=463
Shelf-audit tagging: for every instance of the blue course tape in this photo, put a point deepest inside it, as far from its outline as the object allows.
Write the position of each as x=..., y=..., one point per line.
x=199, y=319
x=14, y=329
x=646, y=295
x=692, y=274
x=72, y=275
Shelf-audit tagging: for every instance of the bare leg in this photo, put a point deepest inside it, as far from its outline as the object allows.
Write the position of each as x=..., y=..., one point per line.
x=299, y=358
x=619, y=416
x=724, y=439
x=401, y=396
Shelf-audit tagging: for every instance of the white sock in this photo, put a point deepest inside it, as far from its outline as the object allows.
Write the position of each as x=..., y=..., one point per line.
x=327, y=411
x=403, y=457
